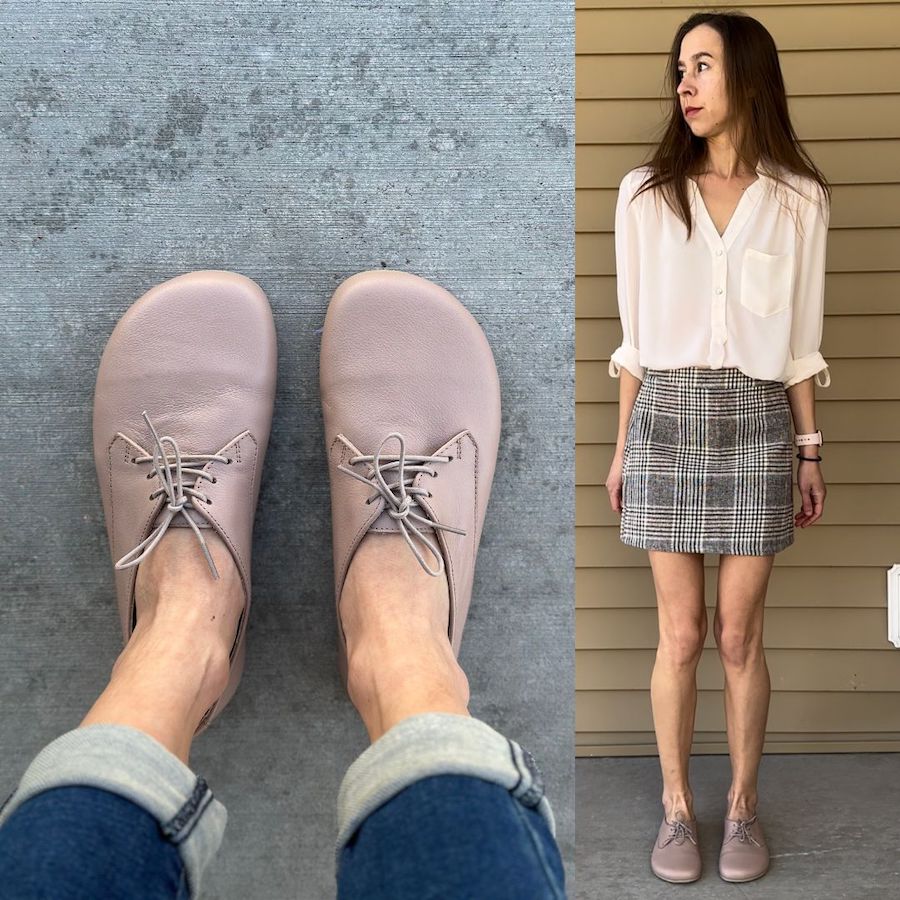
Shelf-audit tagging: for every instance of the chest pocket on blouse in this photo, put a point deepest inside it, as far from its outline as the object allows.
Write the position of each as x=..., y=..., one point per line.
x=766, y=281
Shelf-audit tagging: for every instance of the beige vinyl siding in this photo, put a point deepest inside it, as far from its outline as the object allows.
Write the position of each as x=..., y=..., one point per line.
x=835, y=677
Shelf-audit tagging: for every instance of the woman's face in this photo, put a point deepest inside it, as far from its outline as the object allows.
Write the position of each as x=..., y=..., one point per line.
x=701, y=81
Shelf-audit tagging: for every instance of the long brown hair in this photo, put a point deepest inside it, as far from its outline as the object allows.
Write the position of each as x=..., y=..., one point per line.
x=757, y=102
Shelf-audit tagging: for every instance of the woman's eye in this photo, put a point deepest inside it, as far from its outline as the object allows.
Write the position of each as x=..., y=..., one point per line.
x=681, y=71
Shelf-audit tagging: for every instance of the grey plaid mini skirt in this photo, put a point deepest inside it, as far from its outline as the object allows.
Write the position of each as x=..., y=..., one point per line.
x=708, y=464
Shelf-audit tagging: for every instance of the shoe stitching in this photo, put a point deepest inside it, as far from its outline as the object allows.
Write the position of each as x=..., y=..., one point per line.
x=224, y=533
x=345, y=563
x=128, y=445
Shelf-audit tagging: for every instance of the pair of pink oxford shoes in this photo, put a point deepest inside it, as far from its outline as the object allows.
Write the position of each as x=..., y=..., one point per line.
x=183, y=409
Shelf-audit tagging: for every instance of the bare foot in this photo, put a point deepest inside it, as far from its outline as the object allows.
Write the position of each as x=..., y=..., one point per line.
x=176, y=663
x=395, y=617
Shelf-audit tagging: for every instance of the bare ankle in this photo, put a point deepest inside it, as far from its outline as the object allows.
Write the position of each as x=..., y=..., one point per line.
x=386, y=689
x=741, y=805
x=679, y=806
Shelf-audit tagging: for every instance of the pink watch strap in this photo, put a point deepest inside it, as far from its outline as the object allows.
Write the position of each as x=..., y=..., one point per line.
x=802, y=440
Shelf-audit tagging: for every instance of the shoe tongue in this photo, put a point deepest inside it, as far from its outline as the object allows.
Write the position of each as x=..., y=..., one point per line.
x=179, y=521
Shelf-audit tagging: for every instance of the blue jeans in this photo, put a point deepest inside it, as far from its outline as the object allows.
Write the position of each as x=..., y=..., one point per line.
x=430, y=810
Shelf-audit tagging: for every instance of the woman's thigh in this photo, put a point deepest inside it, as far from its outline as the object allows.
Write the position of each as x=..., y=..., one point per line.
x=679, y=582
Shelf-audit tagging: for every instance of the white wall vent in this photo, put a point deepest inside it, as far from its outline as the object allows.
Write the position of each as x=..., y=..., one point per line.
x=893, y=577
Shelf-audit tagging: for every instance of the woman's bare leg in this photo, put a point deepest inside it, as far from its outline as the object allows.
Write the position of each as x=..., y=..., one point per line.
x=738, y=628
x=176, y=663
x=395, y=617
x=678, y=578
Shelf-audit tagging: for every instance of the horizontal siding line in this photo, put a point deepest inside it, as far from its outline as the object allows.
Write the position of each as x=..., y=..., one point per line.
x=825, y=140
x=832, y=183
x=656, y=7
x=872, y=48
x=889, y=400
x=830, y=229
x=810, y=609
x=781, y=50
x=830, y=444
x=831, y=357
x=822, y=48
x=604, y=751
x=665, y=97
x=863, y=693
x=819, y=524
x=581, y=274
x=829, y=483
x=828, y=272
x=828, y=315
x=880, y=568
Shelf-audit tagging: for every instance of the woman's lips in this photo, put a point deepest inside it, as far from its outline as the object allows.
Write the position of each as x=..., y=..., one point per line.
x=691, y=110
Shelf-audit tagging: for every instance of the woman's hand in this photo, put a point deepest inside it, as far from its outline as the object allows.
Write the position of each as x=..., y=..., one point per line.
x=614, y=483
x=811, y=485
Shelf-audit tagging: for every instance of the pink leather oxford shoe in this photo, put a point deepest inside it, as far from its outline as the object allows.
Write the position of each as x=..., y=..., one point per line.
x=182, y=411
x=411, y=403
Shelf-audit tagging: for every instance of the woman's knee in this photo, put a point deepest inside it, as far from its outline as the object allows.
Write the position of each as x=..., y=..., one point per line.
x=681, y=644
x=738, y=644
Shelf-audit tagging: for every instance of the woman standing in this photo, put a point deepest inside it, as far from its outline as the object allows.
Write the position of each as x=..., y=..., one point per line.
x=720, y=260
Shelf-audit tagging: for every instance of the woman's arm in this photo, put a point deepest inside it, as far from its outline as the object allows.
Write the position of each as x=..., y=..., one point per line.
x=626, y=357
x=625, y=360
x=628, y=391
x=810, y=481
x=807, y=365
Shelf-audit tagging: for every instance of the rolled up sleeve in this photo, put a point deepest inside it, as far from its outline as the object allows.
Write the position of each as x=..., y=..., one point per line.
x=627, y=355
x=808, y=312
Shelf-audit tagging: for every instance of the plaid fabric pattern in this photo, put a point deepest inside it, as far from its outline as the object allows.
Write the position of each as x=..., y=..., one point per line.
x=708, y=464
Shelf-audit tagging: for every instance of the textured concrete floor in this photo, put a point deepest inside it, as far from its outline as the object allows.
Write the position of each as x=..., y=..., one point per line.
x=830, y=822
x=296, y=143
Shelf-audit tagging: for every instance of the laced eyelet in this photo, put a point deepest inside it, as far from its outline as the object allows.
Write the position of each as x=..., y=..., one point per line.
x=150, y=474
x=214, y=480
x=227, y=462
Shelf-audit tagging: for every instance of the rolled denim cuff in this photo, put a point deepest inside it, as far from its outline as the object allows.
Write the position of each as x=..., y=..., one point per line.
x=130, y=763
x=436, y=744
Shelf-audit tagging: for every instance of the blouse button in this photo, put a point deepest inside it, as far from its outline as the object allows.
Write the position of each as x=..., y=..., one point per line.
x=718, y=290
x=718, y=252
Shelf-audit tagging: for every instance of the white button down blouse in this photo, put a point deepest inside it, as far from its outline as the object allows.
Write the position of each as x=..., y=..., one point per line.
x=752, y=298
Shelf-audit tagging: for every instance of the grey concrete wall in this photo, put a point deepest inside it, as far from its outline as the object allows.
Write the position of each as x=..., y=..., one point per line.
x=296, y=143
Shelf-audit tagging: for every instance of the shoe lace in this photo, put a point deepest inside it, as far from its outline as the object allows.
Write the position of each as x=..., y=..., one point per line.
x=679, y=832
x=401, y=496
x=741, y=831
x=178, y=493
